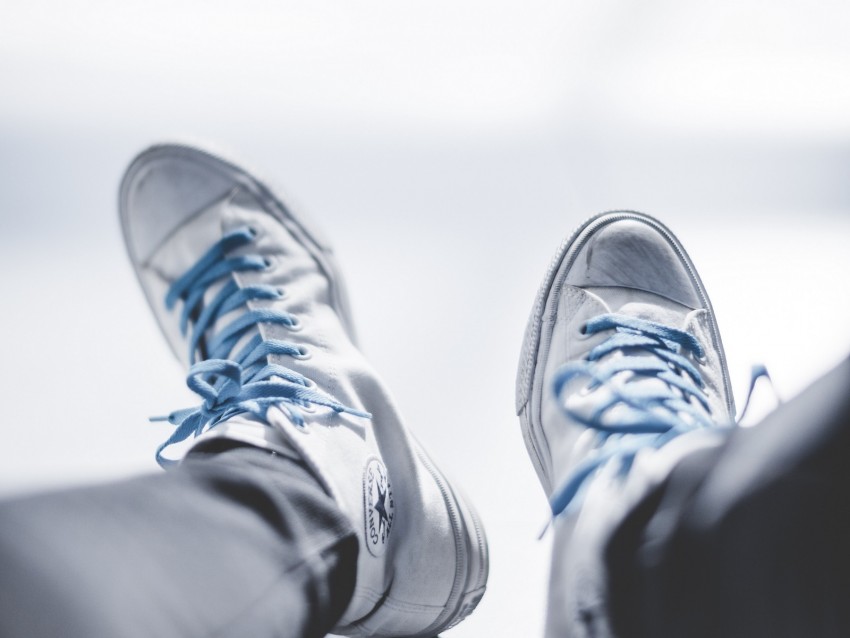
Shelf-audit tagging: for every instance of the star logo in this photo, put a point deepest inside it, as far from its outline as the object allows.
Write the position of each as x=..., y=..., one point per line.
x=379, y=506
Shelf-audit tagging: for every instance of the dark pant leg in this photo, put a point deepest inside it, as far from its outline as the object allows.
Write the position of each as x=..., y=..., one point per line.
x=241, y=542
x=752, y=539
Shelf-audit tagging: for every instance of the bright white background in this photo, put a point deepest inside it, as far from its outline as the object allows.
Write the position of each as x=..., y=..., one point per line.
x=446, y=147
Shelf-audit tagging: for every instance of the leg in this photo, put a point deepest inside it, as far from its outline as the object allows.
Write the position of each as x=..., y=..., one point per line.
x=231, y=543
x=748, y=539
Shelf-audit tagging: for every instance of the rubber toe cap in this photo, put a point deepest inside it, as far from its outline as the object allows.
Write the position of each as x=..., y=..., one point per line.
x=163, y=188
x=633, y=254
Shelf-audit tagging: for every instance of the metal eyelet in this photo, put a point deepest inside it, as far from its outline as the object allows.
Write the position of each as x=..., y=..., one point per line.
x=310, y=408
x=295, y=326
x=303, y=353
x=287, y=411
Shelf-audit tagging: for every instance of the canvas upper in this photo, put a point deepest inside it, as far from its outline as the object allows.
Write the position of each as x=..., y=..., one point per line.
x=619, y=262
x=622, y=339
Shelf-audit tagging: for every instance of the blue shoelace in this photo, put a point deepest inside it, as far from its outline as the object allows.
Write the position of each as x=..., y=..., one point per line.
x=648, y=415
x=247, y=382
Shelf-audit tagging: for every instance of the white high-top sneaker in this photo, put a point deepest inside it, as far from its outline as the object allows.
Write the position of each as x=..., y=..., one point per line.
x=622, y=373
x=251, y=302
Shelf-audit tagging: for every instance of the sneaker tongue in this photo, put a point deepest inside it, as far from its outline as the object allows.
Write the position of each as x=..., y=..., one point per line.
x=643, y=305
x=666, y=316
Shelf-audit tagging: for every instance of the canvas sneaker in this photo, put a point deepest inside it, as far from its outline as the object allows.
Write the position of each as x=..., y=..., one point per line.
x=250, y=299
x=622, y=373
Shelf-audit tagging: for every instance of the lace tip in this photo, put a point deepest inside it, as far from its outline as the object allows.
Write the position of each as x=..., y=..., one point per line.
x=758, y=371
x=545, y=529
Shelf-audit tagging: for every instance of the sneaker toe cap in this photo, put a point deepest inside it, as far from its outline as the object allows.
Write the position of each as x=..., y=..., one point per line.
x=634, y=254
x=163, y=188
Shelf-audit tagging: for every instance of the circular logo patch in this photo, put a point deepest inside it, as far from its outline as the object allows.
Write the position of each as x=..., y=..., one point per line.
x=380, y=509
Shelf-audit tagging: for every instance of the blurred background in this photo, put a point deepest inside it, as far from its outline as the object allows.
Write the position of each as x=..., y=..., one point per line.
x=446, y=147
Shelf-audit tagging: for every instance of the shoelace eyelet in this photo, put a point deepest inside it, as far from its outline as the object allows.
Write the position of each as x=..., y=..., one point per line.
x=302, y=428
x=303, y=353
x=295, y=326
x=582, y=333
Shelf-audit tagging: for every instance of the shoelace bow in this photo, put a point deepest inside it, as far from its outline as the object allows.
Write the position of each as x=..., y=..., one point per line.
x=651, y=414
x=246, y=382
